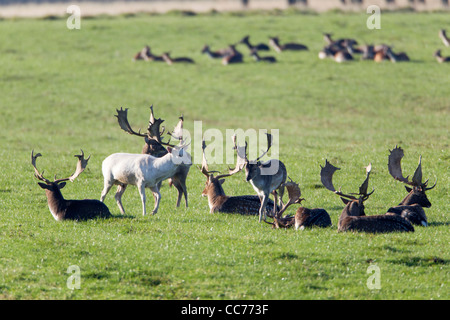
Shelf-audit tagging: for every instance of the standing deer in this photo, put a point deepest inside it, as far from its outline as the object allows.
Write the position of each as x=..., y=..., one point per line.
x=258, y=47
x=166, y=57
x=353, y=217
x=141, y=170
x=154, y=145
x=444, y=38
x=217, y=199
x=263, y=182
x=412, y=205
x=275, y=43
x=440, y=58
x=304, y=217
x=62, y=209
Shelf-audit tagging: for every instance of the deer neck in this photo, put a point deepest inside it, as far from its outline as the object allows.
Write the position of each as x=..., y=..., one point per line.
x=216, y=196
x=56, y=204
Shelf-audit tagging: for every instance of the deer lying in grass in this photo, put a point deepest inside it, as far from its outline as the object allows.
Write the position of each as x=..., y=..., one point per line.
x=396, y=57
x=254, y=54
x=217, y=199
x=304, y=217
x=141, y=170
x=444, y=38
x=440, y=58
x=275, y=43
x=146, y=54
x=266, y=178
x=62, y=209
x=221, y=53
x=337, y=55
x=166, y=57
x=353, y=217
x=258, y=47
x=412, y=205
x=233, y=56
x=154, y=145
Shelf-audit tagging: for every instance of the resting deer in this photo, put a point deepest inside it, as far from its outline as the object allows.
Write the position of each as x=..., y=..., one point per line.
x=233, y=56
x=275, y=43
x=444, y=38
x=154, y=145
x=258, y=47
x=263, y=178
x=141, y=170
x=304, y=217
x=412, y=205
x=341, y=43
x=440, y=58
x=217, y=199
x=146, y=54
x=396, y=57
x=166, y=57
x=337, y=55
x=215, y=54
x=254, y=54
x=62, y=209
x=353, y=217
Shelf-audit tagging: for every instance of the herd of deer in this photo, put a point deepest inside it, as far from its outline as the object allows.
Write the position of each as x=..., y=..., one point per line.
x=340, y=50
x=162, y=160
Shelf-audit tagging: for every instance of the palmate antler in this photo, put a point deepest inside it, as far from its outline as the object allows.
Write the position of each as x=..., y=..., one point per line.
x=395, y=169
x=204, y=169
x=81, y=165
x=326, y=176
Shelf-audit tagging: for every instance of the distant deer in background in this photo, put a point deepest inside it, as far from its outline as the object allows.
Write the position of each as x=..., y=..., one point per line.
x=274, y=42
x=254, y=54
x=353, y=217
x=154, y=145
x=258, y=47
x=440, y=58
x=217, y=53
x=264, y=183
x=444, y=38
x=396, y=57
x=166, y=57
x=62, y=209
x=233, y=56
x=146, y=54
x=217, y=199
x=412, y=205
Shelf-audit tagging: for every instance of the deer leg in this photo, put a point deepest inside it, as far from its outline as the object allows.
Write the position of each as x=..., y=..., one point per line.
x=106, y=188
x=157, y=196
x=275, y=201
x=262, y=209
x=141, y=188
x=120, y=190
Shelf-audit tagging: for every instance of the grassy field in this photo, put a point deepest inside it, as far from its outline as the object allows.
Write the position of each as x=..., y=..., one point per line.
x=59, y=92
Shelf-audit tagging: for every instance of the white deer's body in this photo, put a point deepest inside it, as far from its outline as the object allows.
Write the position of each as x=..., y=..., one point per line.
x=141, y=170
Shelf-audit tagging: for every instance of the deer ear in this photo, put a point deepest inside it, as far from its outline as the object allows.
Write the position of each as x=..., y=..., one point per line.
x=61, y=185
x=345, y=201
x=408, y=189
x=43, y=185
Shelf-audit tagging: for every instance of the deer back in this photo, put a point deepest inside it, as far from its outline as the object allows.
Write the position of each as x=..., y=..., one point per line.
x=306, y=218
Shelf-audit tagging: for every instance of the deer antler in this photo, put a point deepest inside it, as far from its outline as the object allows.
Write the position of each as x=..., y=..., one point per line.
x=326, y=176
x=154, y=125
x=241, y=158
x=395, y=169
x=38, y=175
x=294, y=193
x=122, y=117
x=269, y=144
x=364, y=186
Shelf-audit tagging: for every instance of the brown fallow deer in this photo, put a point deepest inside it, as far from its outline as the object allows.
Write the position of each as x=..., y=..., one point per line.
x=170, y=61
x=304, y=217
x=440, y=58
x=154, y=145
x=396, y=57
x=412, y=205
x=258, y=47
x=254, y=54
x=217, y=199
x=353, y=217
x=337, y=55
x=216, y=54
x=266, y=178
x=62, y=209
x=444, y=38
x=146, y=54
x=274, y=42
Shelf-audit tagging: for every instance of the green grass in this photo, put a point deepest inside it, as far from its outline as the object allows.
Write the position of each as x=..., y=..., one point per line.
x=59, y=91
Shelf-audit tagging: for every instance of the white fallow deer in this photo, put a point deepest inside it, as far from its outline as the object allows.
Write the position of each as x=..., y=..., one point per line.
x=353, y=217
x=266, y=178
x=155, y=146
x=143, y=171
x=217, y=199
x=412, y=205
x=62, y=209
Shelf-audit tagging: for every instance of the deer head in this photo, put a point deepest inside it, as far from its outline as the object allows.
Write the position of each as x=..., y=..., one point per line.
x=57, y=184
x=416, y=194
x=354, y=201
